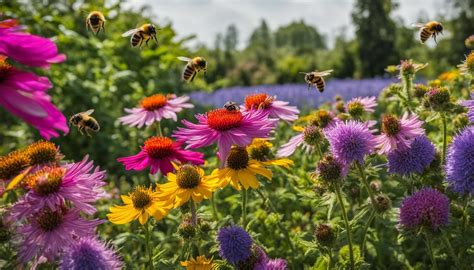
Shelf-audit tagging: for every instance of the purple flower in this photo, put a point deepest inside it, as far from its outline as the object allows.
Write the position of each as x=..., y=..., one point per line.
x=460, y=162
x=351, y=141
x=412, y=160
x=426, y=207
x=276, y=108
x=90, y=254
x=398, y=134
x=235, y=244
x=48, y=233
x=469, y=104
x=79, y=183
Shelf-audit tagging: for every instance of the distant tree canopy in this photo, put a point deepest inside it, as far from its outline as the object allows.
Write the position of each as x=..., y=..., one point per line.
x=300, y=37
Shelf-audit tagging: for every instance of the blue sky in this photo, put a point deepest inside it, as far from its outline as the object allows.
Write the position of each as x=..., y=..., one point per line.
x=206, y=18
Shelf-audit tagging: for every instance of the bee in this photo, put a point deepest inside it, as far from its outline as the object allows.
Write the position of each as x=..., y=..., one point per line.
x=84, y=122
x=95, y=21
x=430, y=29
x=192, y=67
x=315, y=78
x=142, y=34
x=231, y=106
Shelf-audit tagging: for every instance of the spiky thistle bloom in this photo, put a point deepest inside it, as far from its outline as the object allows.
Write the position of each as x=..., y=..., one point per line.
x=276, y=264
x=308, y=137
x=90, y=253
x=469, y=104
x=330, y=170
x=140, y=204
x=414, y=159
x=351, y=141
x=261, y=150
x=467, y=66
x=226, y=127
x=460, y=162
x=79, y=183
x=398, y=134
x=189, y=182
x=409, y=68
x=437, y=98
x=240, y=170
x=275, y=108
x=425, y=208
x=154, y=108
x=199, y=263
x=235, y=244
x=158, y=153
x=357, y=106
x=48, y=232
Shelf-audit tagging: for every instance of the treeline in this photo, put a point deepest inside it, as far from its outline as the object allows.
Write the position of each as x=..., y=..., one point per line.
x=380, y=39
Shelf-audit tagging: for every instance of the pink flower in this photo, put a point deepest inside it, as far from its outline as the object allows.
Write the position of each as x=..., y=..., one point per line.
x=226, y=127
x=366, y=104
x=158, y=153
x=276, y=108
x=398, y=134
x=27, y=49
x=309, y=137
x=154, y=108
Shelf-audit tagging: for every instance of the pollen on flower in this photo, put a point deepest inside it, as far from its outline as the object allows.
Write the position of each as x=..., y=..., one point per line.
x=48, y=220
x=154, y=102
x=141, y=197
x=238, y=158
x=159, y=147
x=222, y=119
x=188, y=176
x=12, y=164
x=46, y=181
x=258, y=101
x=42, y=152
x=260, y=149
x=470, y=62
x=355, y=108
x=4, y=66
x=390, y=125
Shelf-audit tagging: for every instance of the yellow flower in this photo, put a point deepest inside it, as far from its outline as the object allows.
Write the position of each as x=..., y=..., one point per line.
x=240, y=170
x=260, y=149
x=448, y=75
x=139, y=204
x=199, y=263
x=188, y=182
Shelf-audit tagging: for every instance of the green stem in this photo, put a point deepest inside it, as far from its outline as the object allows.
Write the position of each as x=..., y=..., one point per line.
x=244, y=206
x=367, y=186
x=407, y=85
x=192, y=206
x=451, y=250
x=346, y=222
x=465, y=214
x=366, y=228
x=430, y=251
x=158, y=129
x=320, y=152
x=214, y=208
x=445, y=133
x=147, y=244
x=268, y=202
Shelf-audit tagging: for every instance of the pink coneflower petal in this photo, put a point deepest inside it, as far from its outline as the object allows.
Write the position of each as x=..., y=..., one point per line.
x=367, y=103
x=398, y=134
x=289, y=148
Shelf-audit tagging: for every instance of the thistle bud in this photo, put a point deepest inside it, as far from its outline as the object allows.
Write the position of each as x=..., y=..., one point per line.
x=420, y=90
x=437, y=98
x=329, y=170
x=324, y=235
x=312, y=135
x=340, y=106
x=187, y=230
x=376, y=185
x=382, y=203
x=469, y=42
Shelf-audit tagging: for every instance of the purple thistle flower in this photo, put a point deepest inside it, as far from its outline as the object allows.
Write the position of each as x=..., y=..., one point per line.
x=50, y=232
x=412, y=160
x=469, y=104
x=351, y=141
x=90, y=254
x=235, y=244
x=426, y=207
x=276, y=264
x=460, y=162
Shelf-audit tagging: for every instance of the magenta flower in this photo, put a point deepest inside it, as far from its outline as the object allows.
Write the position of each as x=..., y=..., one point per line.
x=79, y=183
x=27, y=49
x=398, y=134
x=48, y=233
x=158, y=153
x=226, y=127
x=276, y=108
x=154, y=108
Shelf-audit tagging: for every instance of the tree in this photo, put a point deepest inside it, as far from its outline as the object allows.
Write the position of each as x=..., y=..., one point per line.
x=375, y=35
x=231, y=38
x=462, y=27
x=300, y=37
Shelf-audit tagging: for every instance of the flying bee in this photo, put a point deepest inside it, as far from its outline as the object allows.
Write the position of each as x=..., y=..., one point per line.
x=430, y=29
x=315, y=78
x=142, y=34
x=231, y=106
x=192, y=67
x=84, y=122
x=95, y=21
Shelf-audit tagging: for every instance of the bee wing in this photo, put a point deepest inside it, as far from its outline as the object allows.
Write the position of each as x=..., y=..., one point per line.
x=88, y=112
x=130, y=32
x=184, y=58
x=301, y=72
x=417, y=25
x=323, y=73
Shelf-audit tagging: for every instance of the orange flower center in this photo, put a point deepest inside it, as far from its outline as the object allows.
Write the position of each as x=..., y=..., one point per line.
x=12, y=164
x=8, y=23
x=42, y=152
x=4, y=66
x=49, y=220
x=46, y=181
x=258, y=101
x=223, y=119
x=154, y=102
x=159, y=147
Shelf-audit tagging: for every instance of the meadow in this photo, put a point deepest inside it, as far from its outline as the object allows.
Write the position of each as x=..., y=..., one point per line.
x=371, y=173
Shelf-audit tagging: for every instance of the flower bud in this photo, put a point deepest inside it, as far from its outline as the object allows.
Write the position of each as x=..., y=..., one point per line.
x=340, y=106
x=437, y=98
x=420, y=90
x=382, y=203
x=376, y=185
x=312, y=135
x=329, y=170
x=469, y=42
x=186, y=230
x=324, y=235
